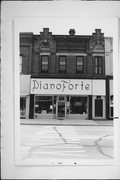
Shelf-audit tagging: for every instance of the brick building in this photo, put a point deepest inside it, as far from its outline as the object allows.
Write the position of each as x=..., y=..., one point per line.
x=66, y=76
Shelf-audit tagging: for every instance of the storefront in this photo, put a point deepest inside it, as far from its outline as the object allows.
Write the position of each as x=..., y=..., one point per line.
x=68, y=98
x=61, y=107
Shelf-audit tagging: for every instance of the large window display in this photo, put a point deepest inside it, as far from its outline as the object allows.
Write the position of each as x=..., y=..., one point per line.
x=43, y=104
x=78, y=105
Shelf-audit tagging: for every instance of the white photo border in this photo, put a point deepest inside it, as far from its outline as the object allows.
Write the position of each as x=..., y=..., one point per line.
x=11, y=12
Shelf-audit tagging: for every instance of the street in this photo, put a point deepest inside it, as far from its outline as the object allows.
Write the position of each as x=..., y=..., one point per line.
x=68, y=142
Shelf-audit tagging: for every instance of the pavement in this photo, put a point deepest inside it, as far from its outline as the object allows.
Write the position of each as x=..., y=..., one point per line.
x=58, y=143
x=66, y=122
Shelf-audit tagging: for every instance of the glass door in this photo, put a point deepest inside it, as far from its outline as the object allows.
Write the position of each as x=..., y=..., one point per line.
x=61, y=107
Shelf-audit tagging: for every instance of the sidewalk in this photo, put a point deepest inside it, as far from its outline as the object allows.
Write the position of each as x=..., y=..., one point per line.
x=66, y=122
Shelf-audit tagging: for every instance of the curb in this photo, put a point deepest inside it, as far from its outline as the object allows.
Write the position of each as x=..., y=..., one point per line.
x=66, y=124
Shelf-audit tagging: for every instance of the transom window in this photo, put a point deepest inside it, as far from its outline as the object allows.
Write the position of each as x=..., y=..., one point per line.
x=98, y=65
x=80, y=64
x=44, y=63
x=62, y=64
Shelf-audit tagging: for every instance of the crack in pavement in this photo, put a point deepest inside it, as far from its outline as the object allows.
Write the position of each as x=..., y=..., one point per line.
x=100, y=148
x=96, y=144
x=60, y=135
x=36, y=147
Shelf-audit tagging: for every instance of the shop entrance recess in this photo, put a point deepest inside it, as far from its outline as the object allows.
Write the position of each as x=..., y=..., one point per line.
x=61, y=107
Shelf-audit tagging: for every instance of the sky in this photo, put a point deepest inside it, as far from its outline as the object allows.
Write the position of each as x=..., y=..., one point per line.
x=82, y=26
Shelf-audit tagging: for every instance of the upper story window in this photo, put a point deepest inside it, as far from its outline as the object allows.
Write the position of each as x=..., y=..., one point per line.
x=44, y=64
x=62, y=64
x=80, y=64
x=21, y=61
x=98, y=65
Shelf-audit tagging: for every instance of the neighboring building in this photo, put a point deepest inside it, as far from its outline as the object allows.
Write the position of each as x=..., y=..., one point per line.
x=66, y=76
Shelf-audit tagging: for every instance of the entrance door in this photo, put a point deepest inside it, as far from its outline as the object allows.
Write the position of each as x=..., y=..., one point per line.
x=61, y=107
x=99, y=108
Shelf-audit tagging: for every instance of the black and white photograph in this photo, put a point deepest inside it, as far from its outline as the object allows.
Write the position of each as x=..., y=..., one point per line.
x=66, y=95
x=62, y=91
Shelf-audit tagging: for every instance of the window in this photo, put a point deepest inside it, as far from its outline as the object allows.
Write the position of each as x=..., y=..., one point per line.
x=78, y=105
x=43, y=104
x=62, y=64
x=20, y=64
x=98, y=65
x=80, y=64
x=45, y=64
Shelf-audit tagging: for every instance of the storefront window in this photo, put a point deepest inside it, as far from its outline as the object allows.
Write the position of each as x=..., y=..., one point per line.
x=54, y=105
x=44, y=104
x=78, y=105
x=68, y=104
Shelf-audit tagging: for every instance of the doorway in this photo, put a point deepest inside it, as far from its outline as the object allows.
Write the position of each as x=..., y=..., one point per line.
x=98, y=107
x=61, y=107
x=61, y=110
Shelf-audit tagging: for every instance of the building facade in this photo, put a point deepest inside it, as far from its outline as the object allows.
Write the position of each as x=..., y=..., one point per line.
x=66, y=76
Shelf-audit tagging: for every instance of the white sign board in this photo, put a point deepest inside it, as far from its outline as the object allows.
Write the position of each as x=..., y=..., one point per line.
x=98, y=87
x=61, y=86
